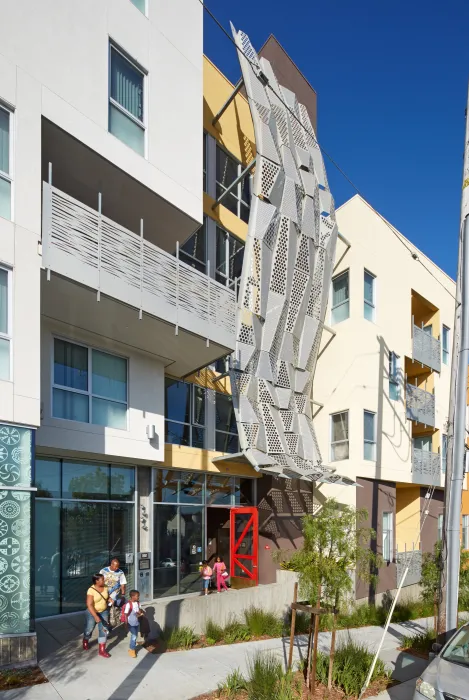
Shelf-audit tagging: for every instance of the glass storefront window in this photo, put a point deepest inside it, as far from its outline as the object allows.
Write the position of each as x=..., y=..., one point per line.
x=47, y=557
x=219, y=490
x=165, y=550
x=79, y=535
x=166, y=486
x=226, y=436
x=122, y=483
x=48, y=478
x=85, y=481
x=191, y=488
x=192, y=547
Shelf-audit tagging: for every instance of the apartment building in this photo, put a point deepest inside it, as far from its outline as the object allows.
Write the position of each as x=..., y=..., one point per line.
x=382, y=385
x=118, y=283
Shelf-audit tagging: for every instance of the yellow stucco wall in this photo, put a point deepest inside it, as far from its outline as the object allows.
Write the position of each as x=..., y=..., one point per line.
x=407, y=516
x=234, y=131
x=194, y=459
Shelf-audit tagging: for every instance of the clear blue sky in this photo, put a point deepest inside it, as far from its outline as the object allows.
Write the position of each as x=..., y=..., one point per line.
x=391, y=79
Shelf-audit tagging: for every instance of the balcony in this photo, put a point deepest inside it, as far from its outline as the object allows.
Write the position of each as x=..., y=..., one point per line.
x=189, y=318
x=426, y=349
x=426, y=467
x=420, y=405
x=412, y=559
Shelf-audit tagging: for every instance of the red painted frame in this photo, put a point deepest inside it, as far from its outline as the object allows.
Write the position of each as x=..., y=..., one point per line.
x=235, y=557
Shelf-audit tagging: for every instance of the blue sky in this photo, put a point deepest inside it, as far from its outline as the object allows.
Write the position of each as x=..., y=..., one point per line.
x=391, y=79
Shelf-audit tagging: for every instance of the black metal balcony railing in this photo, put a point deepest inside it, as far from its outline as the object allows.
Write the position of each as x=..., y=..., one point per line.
x=425, y=466
x=420, y=405
x=426, y=349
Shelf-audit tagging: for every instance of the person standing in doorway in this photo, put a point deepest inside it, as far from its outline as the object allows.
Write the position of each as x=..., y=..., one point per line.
x=219, y=569
x=116, y=582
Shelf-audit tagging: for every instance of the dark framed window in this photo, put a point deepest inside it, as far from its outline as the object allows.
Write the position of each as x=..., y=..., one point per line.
x=228, y=169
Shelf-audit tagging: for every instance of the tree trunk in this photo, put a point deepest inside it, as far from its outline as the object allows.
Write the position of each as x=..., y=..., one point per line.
x=308, y=653
x=312, y=678
x=292, y=630
x=332, y=653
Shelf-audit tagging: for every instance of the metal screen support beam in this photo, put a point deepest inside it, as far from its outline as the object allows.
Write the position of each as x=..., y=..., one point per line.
x=224, y=194
x=344, y=240
x=230, y=99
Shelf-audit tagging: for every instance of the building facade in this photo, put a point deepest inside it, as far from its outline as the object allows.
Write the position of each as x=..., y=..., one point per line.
x=382, y=386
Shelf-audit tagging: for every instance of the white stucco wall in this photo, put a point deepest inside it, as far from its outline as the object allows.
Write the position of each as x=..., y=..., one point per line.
x=63, y=47
x=352, y=371
x=20, y=397
x=145, y=405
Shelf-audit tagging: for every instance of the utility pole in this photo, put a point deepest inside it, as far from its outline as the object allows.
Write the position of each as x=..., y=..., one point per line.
x=456, y=433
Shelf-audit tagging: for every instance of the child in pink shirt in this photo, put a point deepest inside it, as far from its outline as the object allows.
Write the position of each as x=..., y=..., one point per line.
x=206, y=575
x=219, y=569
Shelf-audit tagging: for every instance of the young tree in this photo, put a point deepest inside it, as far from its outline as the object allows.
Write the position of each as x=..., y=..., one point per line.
x=430, y=580
x=336, y=542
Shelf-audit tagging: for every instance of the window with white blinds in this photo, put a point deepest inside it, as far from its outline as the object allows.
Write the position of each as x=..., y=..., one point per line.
x=339, y=436
x=340, y=308
x=126, y=101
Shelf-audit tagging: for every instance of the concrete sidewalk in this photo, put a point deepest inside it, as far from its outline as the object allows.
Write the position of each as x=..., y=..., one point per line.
x=78, y=675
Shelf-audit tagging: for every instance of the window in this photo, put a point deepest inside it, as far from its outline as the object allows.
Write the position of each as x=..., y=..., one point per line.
x=465, y=531
x=394, y=393
x=388, y=536
x=126, y=115
x=140, y=5
x=369, y=433
x=5, y=323
x=89, y=385
x=340, y=298
x=230, y=255
x=239, y=199
x=184, y=413
x=444, y=452
x=339, y=436
x=369, y=296
x=193, y=251
x=226, y=432
x=423, y=443
x=5, y=163
x=445, y=345
x=440, y=527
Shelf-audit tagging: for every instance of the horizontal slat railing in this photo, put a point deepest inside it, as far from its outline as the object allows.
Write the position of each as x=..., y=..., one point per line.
x=82, y=244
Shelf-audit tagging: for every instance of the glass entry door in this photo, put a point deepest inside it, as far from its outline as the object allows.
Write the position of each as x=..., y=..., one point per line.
x=244, y=545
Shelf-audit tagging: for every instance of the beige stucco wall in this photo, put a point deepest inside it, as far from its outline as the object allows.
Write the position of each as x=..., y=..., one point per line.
x=352, y=371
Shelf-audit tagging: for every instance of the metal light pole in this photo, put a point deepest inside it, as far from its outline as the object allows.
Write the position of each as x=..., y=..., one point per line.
x=457, y=417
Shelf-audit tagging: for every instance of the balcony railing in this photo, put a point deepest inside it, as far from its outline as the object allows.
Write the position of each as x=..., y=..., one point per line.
x=426, y=349
x=412, y=559
x=426, y=466
x=420, y=405
x=83, y=245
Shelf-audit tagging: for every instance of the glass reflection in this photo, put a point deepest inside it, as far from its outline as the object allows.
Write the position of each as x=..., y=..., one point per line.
x=192, y=545
x=165, y=548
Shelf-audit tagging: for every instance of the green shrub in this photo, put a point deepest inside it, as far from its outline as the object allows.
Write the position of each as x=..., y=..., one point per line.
x=262, y=623
x=236, y=632
x=352, y=662
x=213, y=631
x=288, y=688
x=264, y=674
x=421, y=641
x=301, y=623
x=179, y=638
x=234, y=684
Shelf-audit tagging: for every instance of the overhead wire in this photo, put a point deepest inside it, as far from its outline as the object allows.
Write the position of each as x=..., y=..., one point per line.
x=254, y=68
x=431, y=489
